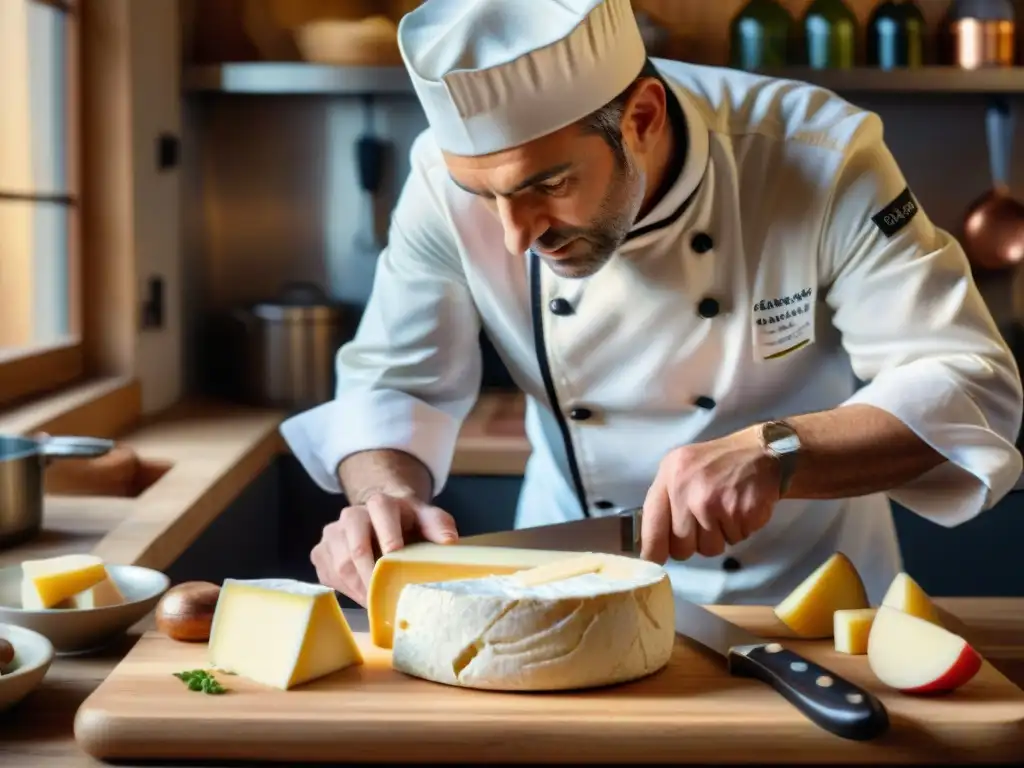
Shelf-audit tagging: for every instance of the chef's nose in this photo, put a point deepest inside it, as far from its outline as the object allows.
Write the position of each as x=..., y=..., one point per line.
x=522, y=223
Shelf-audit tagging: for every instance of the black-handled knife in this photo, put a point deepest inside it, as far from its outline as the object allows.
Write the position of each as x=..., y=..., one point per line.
x=825, y=698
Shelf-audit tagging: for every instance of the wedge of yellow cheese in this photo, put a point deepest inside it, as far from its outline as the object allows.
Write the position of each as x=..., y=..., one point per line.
x=834, y=586
x=103, y=595
x=280, y=632
x=905, y=594
x=425, y=562
x=49, y=582
x=851, y=629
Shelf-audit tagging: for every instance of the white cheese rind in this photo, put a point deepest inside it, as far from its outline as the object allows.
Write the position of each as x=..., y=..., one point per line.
x=494, y=633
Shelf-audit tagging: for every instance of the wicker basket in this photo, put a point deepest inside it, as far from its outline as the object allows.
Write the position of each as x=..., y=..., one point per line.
x=372, y=41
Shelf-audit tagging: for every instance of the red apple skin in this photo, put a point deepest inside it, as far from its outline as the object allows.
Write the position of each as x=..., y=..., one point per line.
x=966, y=666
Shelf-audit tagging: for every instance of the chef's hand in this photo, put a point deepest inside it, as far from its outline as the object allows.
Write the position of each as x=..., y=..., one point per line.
x=707, y=495
x=345, y=555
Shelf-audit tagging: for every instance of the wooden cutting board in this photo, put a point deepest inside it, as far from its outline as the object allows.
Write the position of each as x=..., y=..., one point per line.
x=692, y=711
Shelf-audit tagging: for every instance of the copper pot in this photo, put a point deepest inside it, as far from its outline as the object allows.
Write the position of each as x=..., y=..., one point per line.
x=993, y=230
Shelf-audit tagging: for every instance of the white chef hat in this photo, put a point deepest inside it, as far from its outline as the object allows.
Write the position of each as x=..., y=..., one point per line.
x=494, y=74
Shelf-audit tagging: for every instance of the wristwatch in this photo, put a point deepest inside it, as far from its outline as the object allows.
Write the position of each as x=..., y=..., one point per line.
x=780, y=441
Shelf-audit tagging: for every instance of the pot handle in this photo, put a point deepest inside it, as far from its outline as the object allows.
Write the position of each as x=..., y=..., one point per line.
x=74, y=447
x=999, y=132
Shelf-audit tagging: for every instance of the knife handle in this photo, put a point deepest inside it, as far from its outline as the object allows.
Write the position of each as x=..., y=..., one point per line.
x=835, y=704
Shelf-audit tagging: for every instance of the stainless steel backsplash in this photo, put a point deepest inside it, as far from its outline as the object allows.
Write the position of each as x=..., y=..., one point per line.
x=272, y=195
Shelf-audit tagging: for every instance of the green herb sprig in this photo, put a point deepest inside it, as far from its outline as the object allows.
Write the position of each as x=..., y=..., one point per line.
x=202, y=681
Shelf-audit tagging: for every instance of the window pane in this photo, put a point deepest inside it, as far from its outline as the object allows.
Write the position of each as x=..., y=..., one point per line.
x=33, y=140
x=34, y=290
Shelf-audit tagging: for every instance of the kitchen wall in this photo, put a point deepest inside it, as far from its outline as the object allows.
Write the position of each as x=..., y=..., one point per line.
x=270, y=192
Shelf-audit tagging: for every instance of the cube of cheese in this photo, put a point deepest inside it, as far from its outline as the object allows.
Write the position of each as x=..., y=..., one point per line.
x=851, y=630
x=280, y=632
x=47, y=583
x=423, y=563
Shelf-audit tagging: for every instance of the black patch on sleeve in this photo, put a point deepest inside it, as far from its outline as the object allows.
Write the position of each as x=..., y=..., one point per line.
x=897, y=214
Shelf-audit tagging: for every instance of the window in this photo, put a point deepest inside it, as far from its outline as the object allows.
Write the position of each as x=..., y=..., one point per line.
x=40, y=301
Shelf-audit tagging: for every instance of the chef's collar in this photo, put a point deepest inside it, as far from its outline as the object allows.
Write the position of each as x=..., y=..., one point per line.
x=677, y=193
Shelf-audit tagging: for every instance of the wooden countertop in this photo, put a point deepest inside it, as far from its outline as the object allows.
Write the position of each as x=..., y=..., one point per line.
x=214, y=452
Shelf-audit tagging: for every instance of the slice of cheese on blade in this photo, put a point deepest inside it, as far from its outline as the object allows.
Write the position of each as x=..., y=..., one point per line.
x=280, y=632
x=585, y=621
x=905, y=594
x=834, y=586
x=47, y=583
x=851, y=628
x=425, y=562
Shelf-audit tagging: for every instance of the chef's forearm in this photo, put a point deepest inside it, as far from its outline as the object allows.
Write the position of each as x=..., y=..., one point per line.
x=390, y=472
x=856, y=450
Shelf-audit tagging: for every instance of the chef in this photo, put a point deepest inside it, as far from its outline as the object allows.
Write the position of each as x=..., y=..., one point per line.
x=717, y=290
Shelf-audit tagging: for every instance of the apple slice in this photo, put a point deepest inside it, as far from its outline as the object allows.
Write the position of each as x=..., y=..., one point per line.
x=851, y=628
x=905, y=594
x=808, y=610
x=916, y=656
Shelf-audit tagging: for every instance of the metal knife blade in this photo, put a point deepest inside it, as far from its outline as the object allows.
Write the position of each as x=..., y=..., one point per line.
x=613, y=534
x=825, y=698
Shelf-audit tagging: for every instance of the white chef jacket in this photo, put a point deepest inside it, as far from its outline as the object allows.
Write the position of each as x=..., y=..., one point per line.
x=787, y=258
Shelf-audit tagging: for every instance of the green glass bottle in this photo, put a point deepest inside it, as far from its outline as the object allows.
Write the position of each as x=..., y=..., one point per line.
x=761, y=35
x=830, y=35
x=896, y=35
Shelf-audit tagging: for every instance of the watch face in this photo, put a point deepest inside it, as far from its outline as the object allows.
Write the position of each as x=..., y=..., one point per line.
x=781, y=438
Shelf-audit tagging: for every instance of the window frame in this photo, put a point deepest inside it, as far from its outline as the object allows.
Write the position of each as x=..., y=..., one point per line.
x=44, y=369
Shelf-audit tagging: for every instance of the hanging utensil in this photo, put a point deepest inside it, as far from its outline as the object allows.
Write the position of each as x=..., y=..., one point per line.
x=371, y=154
x=993, y=229
x=352, y=274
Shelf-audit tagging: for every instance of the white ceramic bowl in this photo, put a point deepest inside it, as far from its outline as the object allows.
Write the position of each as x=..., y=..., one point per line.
x=73, y=630
x=33, y=655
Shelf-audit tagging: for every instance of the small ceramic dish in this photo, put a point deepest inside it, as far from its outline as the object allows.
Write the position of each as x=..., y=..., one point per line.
x=33, y=655
x=81, y=630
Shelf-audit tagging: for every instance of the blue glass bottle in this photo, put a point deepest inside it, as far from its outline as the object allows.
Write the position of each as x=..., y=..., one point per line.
x=830, y=35
x=761, y=36
x=896, y=35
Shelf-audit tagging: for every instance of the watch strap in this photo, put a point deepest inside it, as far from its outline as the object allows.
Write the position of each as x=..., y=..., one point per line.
x=786, y=459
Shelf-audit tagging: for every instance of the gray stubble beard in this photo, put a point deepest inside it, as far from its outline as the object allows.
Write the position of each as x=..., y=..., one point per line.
x=617, y=214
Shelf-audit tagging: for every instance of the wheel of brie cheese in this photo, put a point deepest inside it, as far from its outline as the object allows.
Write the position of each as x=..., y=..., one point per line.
x=590, y=620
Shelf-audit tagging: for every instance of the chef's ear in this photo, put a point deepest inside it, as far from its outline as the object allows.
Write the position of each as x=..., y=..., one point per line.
x=645, y=116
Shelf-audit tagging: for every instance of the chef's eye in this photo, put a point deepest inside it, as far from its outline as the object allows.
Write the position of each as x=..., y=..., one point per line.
x=554, y=187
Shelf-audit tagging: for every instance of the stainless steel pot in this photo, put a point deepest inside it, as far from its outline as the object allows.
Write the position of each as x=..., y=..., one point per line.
x=289, y=347
x=22, y=463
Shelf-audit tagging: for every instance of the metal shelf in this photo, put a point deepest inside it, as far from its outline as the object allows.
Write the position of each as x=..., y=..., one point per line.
x=1006, y=80
x=300, y=78
x=295, y=78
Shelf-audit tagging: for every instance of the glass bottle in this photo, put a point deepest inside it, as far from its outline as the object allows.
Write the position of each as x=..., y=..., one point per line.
x=761, y=35
x=979, y=33
x=896, y=35
x=830, y=35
